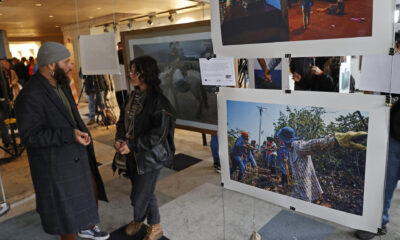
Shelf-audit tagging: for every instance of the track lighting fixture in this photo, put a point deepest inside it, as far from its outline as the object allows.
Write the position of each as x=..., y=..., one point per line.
x=171, y=16
x=151, y=19
x=105, y=27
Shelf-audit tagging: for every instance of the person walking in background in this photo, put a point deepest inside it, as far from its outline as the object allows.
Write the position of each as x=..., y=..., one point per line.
x=306, y=7
x=392, y=173
x=60, y=150
x=145, y=140
x=90, y=90
x=20, y=68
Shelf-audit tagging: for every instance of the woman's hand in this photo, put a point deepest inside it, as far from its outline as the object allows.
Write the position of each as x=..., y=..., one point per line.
x=118, y=144
x=124, y=149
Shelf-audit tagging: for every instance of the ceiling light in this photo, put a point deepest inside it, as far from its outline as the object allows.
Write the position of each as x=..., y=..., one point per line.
x=98, y=8
x=105, y=28
x=90, y=17
x=57, y=26
x=115, y=27
x=130, y=24
x=1, y=14
x=152, y=16
x=171, y=16
x=51, y=16
x=38, y=4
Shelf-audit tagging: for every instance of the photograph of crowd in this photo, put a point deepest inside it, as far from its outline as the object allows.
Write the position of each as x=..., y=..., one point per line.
x=267, y=21
x=181, y=80
x=268, y=73
x=309, y=153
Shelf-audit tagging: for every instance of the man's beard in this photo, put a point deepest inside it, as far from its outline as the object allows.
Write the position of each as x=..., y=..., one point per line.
x=61, y=77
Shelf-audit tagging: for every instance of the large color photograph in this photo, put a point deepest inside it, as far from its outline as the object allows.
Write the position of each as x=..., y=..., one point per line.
x=267, y=21
x=181, y=80
x=314, y=154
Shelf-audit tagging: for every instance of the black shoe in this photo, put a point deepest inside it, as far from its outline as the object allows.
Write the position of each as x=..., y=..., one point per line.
x=364, y=235
x=217, y=167
x=94, y=233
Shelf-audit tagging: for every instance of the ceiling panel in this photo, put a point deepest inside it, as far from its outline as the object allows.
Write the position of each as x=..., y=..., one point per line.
x=21, y=18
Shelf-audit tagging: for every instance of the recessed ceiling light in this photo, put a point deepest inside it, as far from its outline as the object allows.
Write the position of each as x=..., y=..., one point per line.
x=38, y=4
x=98, y=8
x=57, y=26
x=51, y=16
x=1, y=14
x=90, y=17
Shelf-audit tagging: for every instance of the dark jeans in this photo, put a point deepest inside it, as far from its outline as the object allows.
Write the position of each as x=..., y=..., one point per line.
x=214, y=149
x=392, y=177
x=306, y=17
x=143, y=199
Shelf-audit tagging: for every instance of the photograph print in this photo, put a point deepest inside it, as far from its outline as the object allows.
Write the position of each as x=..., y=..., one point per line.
x=181, y=80
x=268, y=21
x=268, y=73
x=314, y=154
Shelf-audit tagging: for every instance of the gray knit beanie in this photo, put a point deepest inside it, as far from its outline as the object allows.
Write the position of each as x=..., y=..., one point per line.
x=51, y=52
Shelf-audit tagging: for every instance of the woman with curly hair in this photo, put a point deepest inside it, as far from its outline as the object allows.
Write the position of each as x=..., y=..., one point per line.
x=145, y=142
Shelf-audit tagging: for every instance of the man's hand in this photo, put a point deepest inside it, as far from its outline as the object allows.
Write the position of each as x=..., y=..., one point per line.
x=355, y=140
x=82, y=137
x=124, y=149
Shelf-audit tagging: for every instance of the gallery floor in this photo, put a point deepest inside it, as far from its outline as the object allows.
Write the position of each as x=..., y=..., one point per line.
x=192, y=203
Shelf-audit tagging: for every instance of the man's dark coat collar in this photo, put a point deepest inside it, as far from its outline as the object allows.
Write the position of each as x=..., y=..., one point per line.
x=49, y=90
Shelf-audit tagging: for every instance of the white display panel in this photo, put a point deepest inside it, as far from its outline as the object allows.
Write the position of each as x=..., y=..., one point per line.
x=381, y=37
x=99, y=54
x=375, y=156
x=380, y=73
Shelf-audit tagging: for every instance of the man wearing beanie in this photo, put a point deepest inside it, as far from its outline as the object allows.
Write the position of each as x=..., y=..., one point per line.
x=60, y=151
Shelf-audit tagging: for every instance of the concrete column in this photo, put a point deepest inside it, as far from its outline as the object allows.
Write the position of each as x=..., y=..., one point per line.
x=4, y=48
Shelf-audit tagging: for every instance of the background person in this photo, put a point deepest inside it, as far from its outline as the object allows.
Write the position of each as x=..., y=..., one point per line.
x=392, y=173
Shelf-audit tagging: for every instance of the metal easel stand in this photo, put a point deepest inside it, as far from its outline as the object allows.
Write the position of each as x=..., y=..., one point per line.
x=16, y=149
x=4, y=206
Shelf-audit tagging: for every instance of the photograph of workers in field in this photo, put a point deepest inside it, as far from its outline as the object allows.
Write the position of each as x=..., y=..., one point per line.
x=267, y=21
x=314, y=154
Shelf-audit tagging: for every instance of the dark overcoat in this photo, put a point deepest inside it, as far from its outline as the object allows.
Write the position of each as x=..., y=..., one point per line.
x=61, y=168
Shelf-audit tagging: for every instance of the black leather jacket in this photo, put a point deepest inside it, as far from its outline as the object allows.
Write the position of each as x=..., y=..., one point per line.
x=152, y=145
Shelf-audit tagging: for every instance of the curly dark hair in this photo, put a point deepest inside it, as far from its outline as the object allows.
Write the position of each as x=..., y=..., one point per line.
x=147, y=67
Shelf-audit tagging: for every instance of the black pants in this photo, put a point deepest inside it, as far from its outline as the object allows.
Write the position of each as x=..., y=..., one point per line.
x=143, y=199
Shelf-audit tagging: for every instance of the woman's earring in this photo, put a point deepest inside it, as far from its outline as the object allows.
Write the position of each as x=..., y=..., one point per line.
x=52, y=73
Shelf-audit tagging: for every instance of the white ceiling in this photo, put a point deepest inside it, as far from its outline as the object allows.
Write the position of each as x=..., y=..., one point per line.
x=22, y=18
